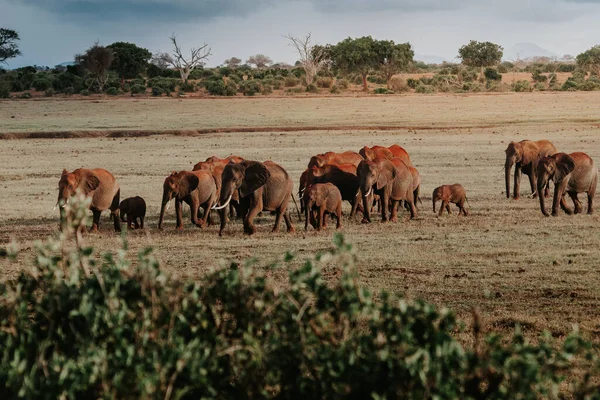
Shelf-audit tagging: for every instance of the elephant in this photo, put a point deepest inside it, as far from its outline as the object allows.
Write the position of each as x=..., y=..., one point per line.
x=450, y=194
x=301, y=188
x=215, y=166
x=392, y=181
x=262, y=186
x=196, y=188
x=524, y=155
x=322, y=198
x=394, y=151
x=347, y=157
x=572, y=173
x=343, y=176
x=100, y=185
x=135, y=210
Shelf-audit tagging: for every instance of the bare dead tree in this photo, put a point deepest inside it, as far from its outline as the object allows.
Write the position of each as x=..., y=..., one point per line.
x=185, y=65
x=517, y=64
x=311, y=57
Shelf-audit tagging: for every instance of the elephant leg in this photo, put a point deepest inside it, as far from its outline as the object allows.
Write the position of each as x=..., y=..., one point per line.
x=179, y=214
x=517, y=189
x=384, y=208
x=255, y=208
x=288, y=222
x=394, y=215
x=443, y=207
x=141, y=222
x=194, y=210
x=95, y=220
x=338, y=216
x=547, y=189
x=207, y=208
x=576, y=202
x=564, y=206
x=136, y=223
x=278, y=217
x=114, y=211
x=532, y=181
x=413, y=209
x=590, y=196
x=322, y=218
x=130, y=221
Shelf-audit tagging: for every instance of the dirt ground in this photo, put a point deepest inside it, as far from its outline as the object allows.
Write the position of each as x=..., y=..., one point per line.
x=506, y=259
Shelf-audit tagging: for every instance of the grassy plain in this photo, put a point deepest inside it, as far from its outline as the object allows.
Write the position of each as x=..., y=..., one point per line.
x=506, y=259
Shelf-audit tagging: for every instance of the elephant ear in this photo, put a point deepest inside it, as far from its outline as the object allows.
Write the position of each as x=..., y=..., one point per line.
x=91, y=182
x=255, y=176
x=387, y=173
x=565, y=164
x=187, y=184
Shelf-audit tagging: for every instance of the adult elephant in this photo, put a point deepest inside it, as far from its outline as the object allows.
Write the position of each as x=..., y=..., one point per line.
x=215, y=166
x=347, y=157
x=343, y=176
x=261, y=186
x=572, y=173
x=195, y=188
x=524, y=156
x=392, y=181
x=302, y=187
x=97, y=183
x=394, y=151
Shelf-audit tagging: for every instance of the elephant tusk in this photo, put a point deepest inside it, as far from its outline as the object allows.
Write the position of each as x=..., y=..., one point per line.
x=532, y=194
x=224, y=205
x=369, y=192
x=168, y=205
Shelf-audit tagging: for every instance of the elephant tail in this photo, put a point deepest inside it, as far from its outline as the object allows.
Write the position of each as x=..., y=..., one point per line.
x=467, y=200
x=297, y=209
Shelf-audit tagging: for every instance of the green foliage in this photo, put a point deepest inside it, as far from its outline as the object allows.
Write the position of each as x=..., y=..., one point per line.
x=377, y=78
x=129, y=60
x=539, y=86
x=157, y=91
x=66, y=81
x=468, y=75
x=187, y=87
x=480, y=54
x=85, y=92
x=591, y=84
x=8, y=44
x=25, y=95
x=267, y=89
x=112, y=91
x=423, y=88
x=295, y=90
x=312, y=88
x=250, y=87
x=138, y=89
x=324, y=82
x=335, y=89
x=78, y=324
x=4, y=90
x=412, y=83
x=41, y=83
x=471, y=86
x=537, y=76
x=590, y=60
x=566, y=67
x=393, y=58
x=356, y=55
x=49, y=92
x=291, y=81
x=342, y=83
x=492, y=74
x=383, y=91
x=570, y=85
x=521, y=86
x=167, y=85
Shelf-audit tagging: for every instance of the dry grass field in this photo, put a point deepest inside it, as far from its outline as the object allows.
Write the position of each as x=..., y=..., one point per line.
x=506, y=259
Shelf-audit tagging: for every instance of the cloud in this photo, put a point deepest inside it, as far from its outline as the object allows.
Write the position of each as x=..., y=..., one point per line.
x=168, y=10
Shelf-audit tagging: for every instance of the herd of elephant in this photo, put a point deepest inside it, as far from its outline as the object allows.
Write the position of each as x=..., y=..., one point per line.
x=375, y=177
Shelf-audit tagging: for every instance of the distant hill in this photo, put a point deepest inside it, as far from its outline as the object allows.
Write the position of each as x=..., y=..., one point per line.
x=430, y=59
x=526, y=51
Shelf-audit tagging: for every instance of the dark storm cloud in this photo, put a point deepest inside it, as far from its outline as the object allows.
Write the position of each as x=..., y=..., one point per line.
x=166, y=10
x=350, y=6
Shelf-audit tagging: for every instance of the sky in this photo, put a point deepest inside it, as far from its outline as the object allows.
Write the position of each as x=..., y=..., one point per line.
x=53, y=31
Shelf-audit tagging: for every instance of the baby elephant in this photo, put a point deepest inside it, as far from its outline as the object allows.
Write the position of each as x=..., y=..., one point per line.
x=135, y=209
x=322, y=198
x=450, y=194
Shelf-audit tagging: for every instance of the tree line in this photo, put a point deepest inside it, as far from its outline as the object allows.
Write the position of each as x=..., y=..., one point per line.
x=363, y=57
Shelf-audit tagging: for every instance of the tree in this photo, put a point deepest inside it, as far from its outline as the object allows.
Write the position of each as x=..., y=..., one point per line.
x=393, y=58
x=233, y=62
x=355, y=55
x=589, y=60
x=480, y=54
x=260, y=61
x=129, y=60
x=8, y=44
x=312, y=57
x=97, y=60
x=198, y=57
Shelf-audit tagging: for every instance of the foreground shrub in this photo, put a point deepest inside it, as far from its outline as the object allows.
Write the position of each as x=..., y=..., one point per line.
x=112, y=91
x=324, y=82
x=41, y=84
x=138, y=89
x=312, y=88
x=291, y=81
x=4, y=90
x=77, y=325
x=398, y=84
x=521, y=86
x=250, y=88
x=342, y=83
x=383, y=91
x=492, y=74
x=422, y=88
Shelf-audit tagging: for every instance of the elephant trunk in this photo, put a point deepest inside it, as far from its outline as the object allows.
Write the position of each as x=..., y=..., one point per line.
x=541, y=184
x=366, y=206
x=507, y=167
x=165, y=199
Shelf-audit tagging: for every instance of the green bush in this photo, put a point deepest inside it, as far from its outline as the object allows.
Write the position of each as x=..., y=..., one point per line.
x=539, y=86
x=25, y=95
x=570, y=85
x=65, y=80
x=138, y=89
x=291, y=81
x=342, y=83
x=267, y=89
x=377, y=78
x=413, y=83
x=69, y=91
x=112, y=91
x=217, y=87
x=567, y=67
x=85, y=92
x=49, y=92
x=537, y=76
x=591, y=84
x=471, y=87
x=492, y=74
x=312, y=88
x=324, y=82
x=250, y=87
x=294, y=90
x=188, y=87
x=383, y=91
x=398, y=84
x=157, y=91
x=87, y=325
x=468, y=75
x=4, y=90
x=167, y=85
x=335, y=90
x=521, y=86
x=40, y=84
x=422, y=88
